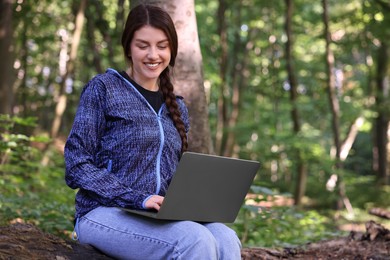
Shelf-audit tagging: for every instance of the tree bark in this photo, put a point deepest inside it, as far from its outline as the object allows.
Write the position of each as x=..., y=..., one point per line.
x=188, y=70
x=382, y=120
x=6, y=54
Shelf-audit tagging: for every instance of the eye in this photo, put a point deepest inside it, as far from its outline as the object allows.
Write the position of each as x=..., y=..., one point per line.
x=162, y=47
x=142, y=46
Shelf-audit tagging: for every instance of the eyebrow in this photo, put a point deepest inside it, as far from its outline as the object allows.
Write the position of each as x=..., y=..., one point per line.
x=143, y=41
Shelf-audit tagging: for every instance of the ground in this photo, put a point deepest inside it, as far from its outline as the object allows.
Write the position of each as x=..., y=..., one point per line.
x=23, y=241
x=374, y=244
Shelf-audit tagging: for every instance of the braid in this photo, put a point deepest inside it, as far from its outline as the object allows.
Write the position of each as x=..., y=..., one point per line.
x=174, y=112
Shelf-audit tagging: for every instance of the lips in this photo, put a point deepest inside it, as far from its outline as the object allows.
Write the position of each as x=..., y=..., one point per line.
x=152, y=65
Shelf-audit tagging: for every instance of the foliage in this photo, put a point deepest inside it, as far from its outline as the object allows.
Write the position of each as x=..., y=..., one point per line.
x=16, y=153
x=30, y=191
x=282, y=227
x=270, y=225
x=43, y=200
x=34, y=192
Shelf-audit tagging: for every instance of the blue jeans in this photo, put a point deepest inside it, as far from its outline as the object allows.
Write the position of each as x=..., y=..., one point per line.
x=128, y=236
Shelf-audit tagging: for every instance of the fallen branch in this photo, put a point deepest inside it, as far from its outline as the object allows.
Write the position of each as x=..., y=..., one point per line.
x=379, y=212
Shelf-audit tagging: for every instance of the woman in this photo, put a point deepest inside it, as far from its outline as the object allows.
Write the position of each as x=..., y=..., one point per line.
x=127, y=138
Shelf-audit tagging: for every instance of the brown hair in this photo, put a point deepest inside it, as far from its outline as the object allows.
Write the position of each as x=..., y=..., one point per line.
x=156, y=17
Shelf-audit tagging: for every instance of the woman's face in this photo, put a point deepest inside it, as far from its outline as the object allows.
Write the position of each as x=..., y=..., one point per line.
x=150, y=55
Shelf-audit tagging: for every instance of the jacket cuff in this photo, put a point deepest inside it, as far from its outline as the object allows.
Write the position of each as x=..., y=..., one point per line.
x=143, y=203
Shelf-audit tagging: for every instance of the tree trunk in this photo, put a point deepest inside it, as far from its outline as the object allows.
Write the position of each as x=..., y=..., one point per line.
x=233, y=78
x=120, y=15
x=188, y=79
x=104, y=29
x=22, y=87
x=239, y=80
x=335, y=109
x=62, y=98
x=91, y=16
x=6, y=64
x=221, y=103
x=382, y=120
x=331, y=88
x=301, y=167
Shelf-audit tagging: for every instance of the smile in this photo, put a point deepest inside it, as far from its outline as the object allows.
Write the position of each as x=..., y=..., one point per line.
x=152, y=65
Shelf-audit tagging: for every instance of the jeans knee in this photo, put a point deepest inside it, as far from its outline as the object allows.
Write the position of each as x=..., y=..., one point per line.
x=200, y=244
x=208, y=242
x=229, y=245
x=231, y=239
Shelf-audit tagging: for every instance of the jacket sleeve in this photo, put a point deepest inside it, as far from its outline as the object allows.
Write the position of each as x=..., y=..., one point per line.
x=80, y=150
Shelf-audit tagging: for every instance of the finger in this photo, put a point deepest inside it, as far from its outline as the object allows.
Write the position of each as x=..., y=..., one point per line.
x=158, y=200
x=157, y=206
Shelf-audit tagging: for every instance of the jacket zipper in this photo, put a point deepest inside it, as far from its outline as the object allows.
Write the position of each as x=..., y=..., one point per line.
x=109, y=166
x=162, y=139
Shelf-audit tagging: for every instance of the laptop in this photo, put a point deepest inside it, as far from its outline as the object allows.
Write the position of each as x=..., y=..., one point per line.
x=205, y=188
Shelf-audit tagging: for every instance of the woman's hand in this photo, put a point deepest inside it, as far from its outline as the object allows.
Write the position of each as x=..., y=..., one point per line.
x=154, y=202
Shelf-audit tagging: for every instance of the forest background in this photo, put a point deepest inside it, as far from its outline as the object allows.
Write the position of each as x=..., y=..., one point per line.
x=301, y=86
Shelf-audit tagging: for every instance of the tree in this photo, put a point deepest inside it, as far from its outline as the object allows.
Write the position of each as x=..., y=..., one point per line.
x=233, y=63
x=382, y=121
x=69, y=67
x=292, y=81
x=223, y=66
x=188, y=70
x=6, y=72
x=334, y=105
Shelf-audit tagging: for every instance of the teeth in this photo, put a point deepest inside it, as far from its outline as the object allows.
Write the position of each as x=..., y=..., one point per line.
x=152, y=65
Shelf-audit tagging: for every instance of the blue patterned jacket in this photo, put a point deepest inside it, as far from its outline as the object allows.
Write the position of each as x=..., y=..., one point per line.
x=120, y=151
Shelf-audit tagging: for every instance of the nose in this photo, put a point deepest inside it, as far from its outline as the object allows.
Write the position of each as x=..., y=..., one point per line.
x=152, y=54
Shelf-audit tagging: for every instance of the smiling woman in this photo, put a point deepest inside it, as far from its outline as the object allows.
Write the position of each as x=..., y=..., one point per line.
x=128, y=136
